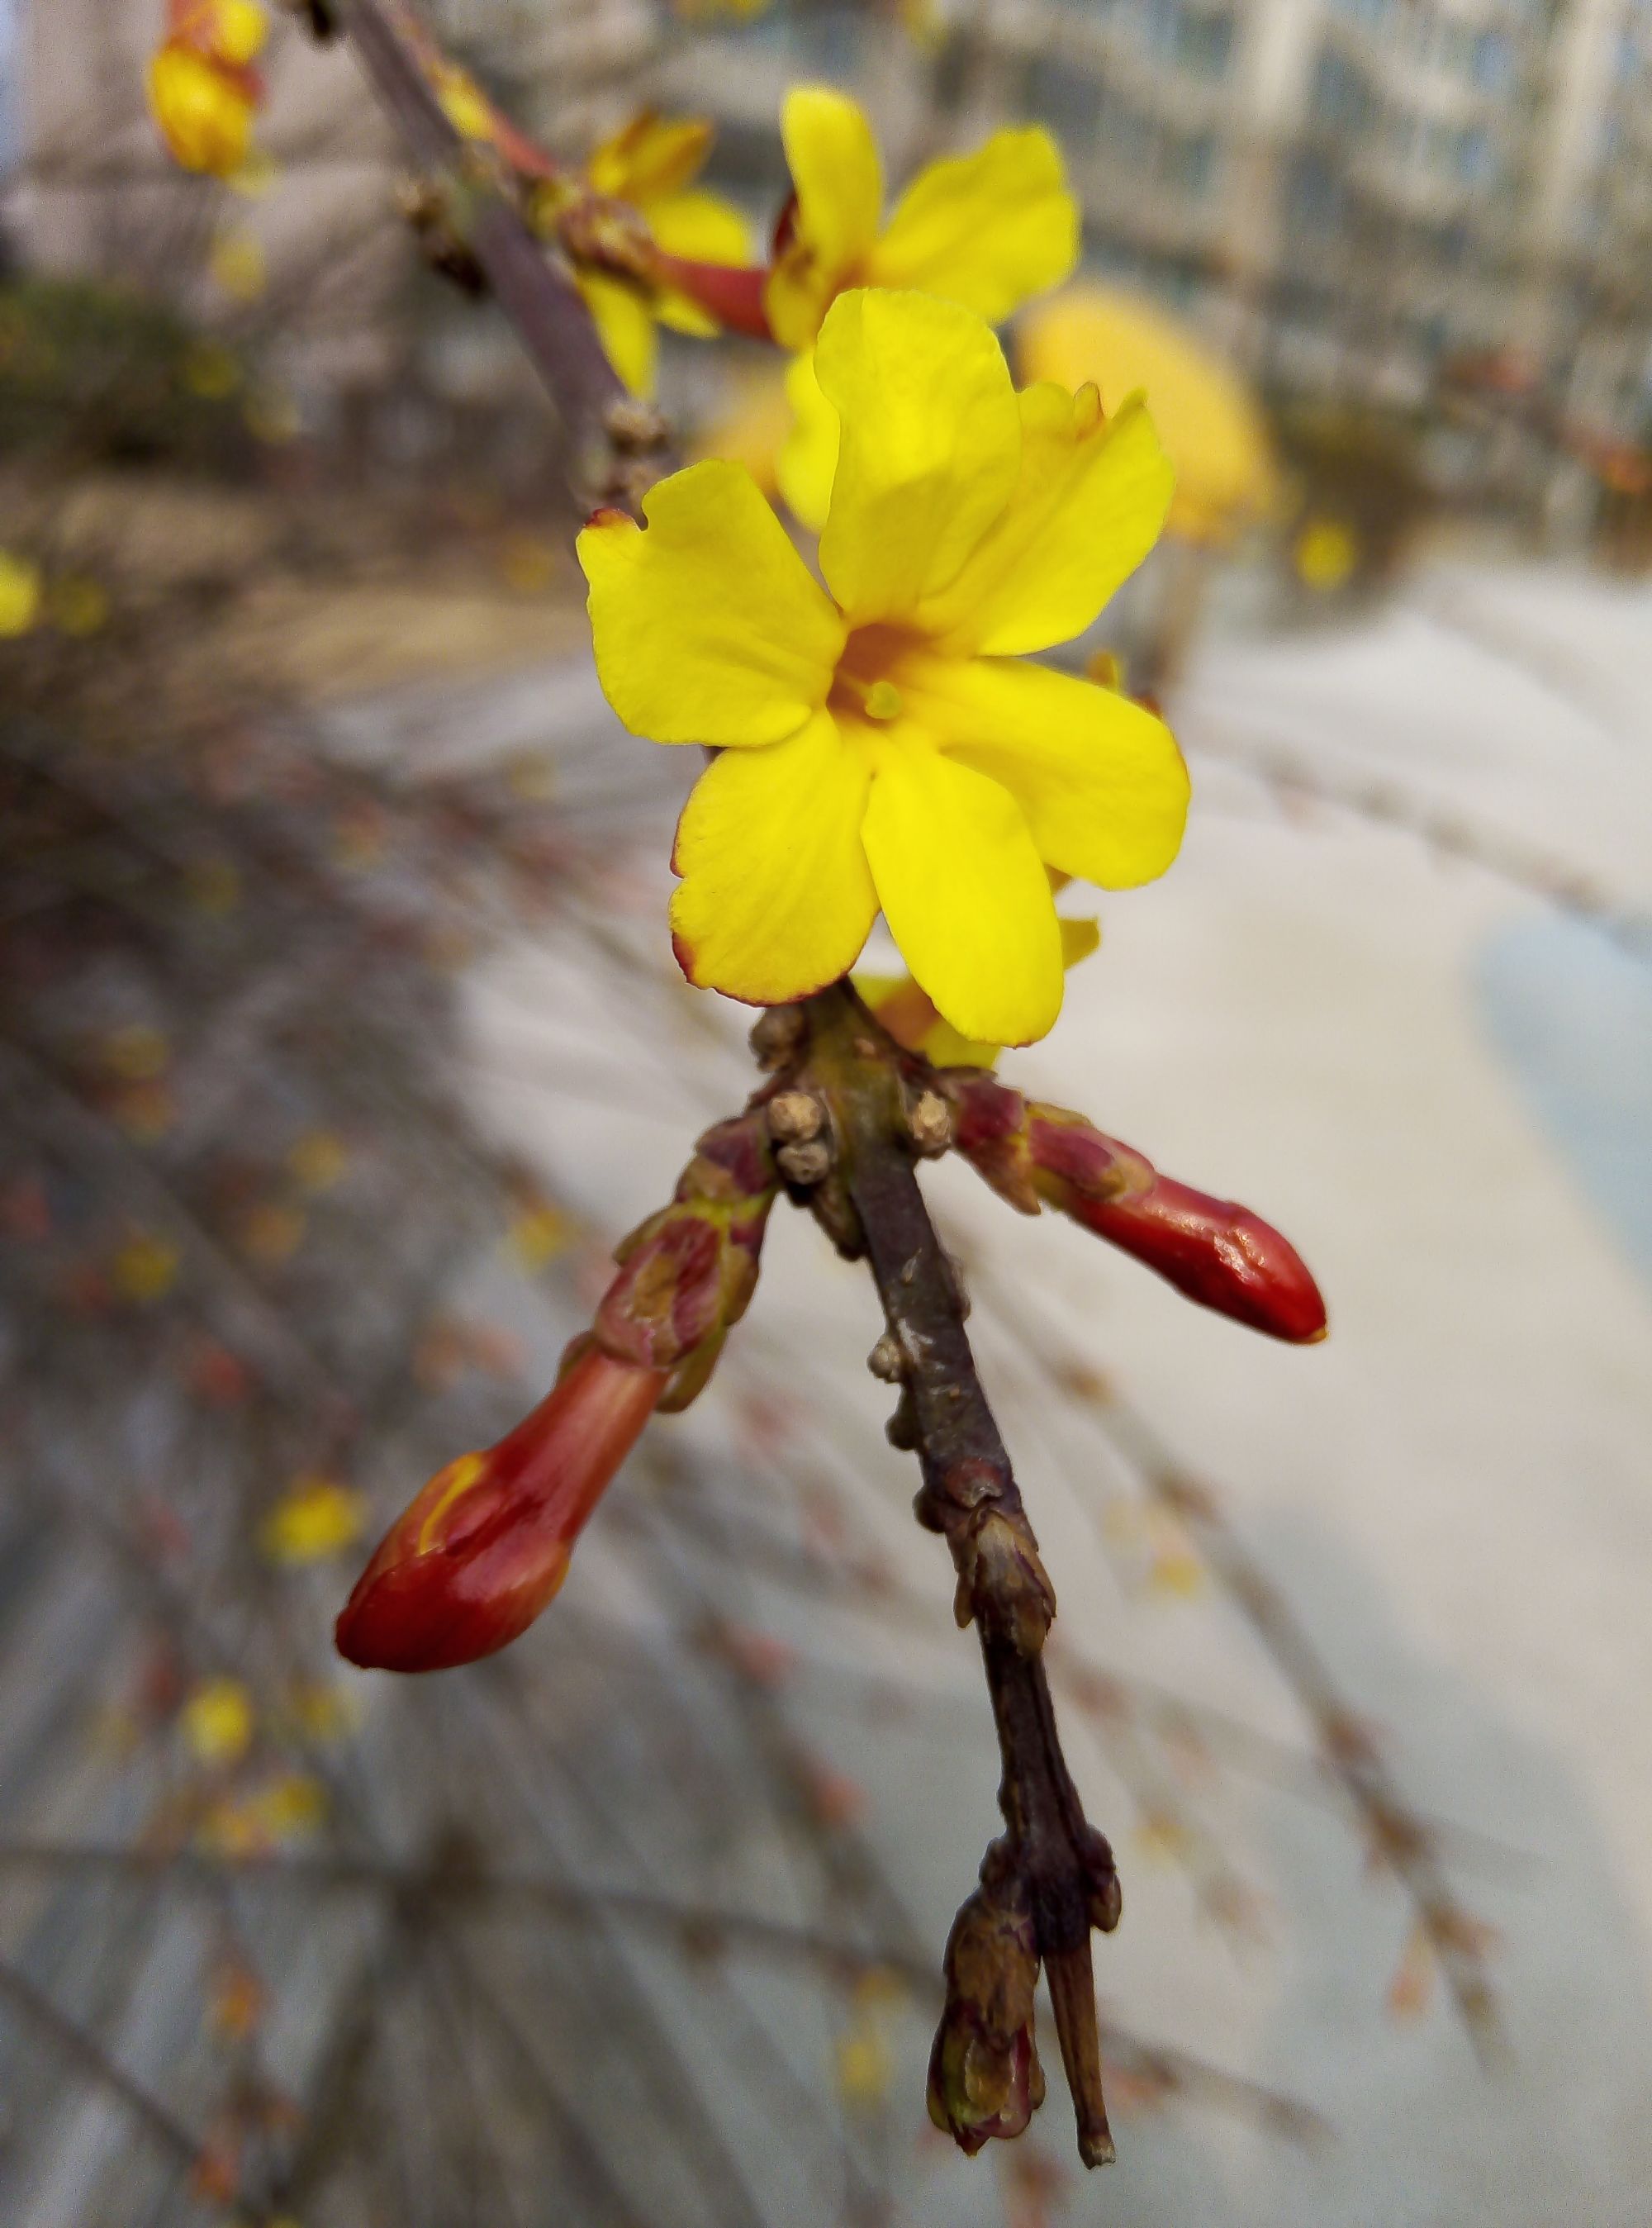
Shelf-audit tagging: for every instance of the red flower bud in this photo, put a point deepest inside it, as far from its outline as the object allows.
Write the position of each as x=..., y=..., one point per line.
x=482, y=1548
x=1214, y=1251
x=476, y=1555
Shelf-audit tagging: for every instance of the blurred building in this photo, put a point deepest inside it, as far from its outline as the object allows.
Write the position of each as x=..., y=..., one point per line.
x=1352, y=192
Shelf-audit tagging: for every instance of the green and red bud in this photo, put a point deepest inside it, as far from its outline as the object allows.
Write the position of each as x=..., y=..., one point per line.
x=1214, y=1251
x=984, y=2077
x=484, y=1545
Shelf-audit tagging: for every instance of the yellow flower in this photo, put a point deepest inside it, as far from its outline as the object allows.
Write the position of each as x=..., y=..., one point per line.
x=988, y=229
x=20, y=595
x=650, y=165
x=316, y=1517
x=885, y=744
x=218, y=1720
x=205, y=110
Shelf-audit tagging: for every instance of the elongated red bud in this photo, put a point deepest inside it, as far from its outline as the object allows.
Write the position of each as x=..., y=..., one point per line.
x=732, y=293
x=482, y=1548
x=1214, y=1251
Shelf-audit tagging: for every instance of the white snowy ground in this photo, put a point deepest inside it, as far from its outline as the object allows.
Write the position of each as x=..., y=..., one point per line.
x=1441, y=1087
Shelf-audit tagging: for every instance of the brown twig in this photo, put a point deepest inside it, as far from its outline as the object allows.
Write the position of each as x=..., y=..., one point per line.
x=867, y=1196
x=617, y=447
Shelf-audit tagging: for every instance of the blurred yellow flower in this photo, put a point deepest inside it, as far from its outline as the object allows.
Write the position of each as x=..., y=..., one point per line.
x=138, y=1053
x=205, y=112
x=1210, y=423
x=217, y=1721
x=318, y=1159
x=20, y=595
x=201, y=89
x=237, y=262
x=77, y=603
x=988, y=230
x=539, y=1233
x=466, y=107
x=145, y=1267
x=210, y=370
x=1326, y=555
x=888, y=744
x=650, y=164
x=316, y=1517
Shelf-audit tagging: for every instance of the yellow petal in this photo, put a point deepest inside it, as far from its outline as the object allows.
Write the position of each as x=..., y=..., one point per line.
x=808, y=459
x=1099, y=779
x=1089, y=505
x=964, y=892
x=929, y=447
x=625, y=325
x=709, y=627
x=988, y=229
x=838, y=179
x=777, y=897
x=701, y=228
x=650, y=155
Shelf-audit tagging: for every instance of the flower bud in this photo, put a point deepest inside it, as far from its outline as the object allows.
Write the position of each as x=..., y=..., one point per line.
x=478, y=1553
x=1214, y=1251
x=482, y=1548
x=984, y=2077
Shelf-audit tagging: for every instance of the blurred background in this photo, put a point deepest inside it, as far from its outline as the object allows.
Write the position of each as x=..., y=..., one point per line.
x=339, y=1040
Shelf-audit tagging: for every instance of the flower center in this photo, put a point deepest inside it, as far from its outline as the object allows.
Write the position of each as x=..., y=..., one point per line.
x=864, y=683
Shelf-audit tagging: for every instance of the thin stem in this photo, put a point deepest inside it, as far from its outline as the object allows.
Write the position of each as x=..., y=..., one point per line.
x=970, y=1496
x=535, y=289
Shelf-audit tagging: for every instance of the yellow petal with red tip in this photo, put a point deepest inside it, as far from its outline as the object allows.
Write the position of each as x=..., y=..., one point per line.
x=777, y=898
x=838, y=178
x=707, y=627
x=964, y=892
x=1089, y=503
x=988, y=229
x=929, y=447
x=1099, y=779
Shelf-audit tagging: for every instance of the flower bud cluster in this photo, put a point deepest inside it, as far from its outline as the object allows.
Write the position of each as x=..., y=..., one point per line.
x=1214, y=1251
x=485, y=1544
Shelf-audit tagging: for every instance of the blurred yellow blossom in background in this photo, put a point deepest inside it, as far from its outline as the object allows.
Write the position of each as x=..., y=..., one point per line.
x=20, y=595
x=217, y=1721
x=145, y=1267
x=889, y=745
x=202, y=90
x=1211, y=427
x=314, y=1518
x=1326, y=554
